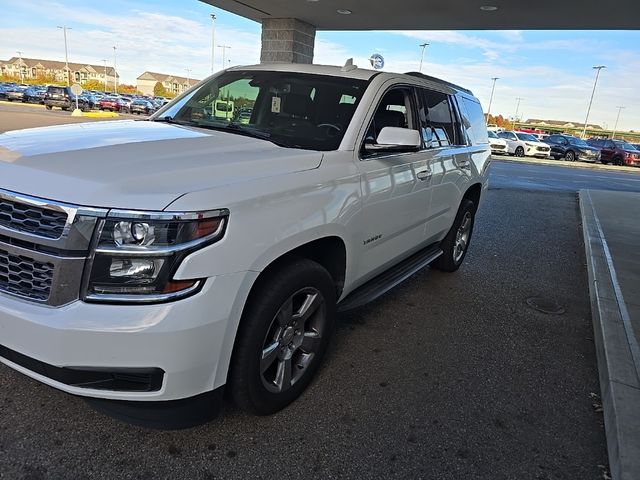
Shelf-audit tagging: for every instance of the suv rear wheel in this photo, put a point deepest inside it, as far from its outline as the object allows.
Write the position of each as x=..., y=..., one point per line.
x=456, y=243
x=283, y=336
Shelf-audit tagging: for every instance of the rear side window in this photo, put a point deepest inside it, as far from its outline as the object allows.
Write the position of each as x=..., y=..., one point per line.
x=56, y=90
x=476, y=127
x=437, y=124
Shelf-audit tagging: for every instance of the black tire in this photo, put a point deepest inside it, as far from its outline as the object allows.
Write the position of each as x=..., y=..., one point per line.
x=263, y=326
x=519, y=152
x=569, y=156
x=618, y=161
x=452, y=258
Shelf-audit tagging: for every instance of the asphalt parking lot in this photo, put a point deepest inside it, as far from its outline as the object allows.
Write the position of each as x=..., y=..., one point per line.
x=450, y=376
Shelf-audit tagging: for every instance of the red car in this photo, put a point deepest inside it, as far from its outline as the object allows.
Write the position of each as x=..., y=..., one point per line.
x=617, y=152
x=112, y=104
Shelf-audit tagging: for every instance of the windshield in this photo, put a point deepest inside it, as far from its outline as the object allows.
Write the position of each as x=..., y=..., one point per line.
x=526, y=137
x=290, y=109
x=492, y=134
x=578, y=142
x=623, y=145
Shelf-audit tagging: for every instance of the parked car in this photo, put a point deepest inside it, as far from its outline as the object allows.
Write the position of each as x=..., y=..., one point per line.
x=202, y=255
x=62, y=97
x=572, y=148
x=125, y=104
x=16, y=94
x=141, y=106
x=111, y=103
x=498, y=145
x=34, y=94
x=617, y=152
x=90, y=99
x=523, y=144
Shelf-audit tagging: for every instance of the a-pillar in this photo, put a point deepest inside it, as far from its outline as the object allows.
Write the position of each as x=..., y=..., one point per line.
x=287, y=40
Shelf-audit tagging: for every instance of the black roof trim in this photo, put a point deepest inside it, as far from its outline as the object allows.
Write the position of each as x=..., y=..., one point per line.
x=438, y=80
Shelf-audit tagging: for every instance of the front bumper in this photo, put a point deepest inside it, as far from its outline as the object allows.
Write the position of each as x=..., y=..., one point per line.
x=189, y=340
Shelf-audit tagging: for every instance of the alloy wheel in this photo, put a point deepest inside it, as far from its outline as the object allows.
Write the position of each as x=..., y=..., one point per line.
x=292, y=340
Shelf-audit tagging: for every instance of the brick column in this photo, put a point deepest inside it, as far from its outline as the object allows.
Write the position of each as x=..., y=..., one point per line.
x=287, y=40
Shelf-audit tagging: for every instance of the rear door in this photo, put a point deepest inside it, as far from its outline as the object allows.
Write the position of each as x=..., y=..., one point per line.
x=448, y=157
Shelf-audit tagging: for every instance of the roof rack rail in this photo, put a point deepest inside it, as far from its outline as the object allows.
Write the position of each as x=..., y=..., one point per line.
x=438, y=80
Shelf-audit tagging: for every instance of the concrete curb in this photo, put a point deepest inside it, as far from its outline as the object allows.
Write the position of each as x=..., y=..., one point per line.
x=615, y=348
x=33, y=105
x=562, y=163
x=101, y=114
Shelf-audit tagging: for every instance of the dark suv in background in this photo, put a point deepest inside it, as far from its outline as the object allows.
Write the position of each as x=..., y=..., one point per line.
x=63, y=98
x=617, y=152
x=571, y=148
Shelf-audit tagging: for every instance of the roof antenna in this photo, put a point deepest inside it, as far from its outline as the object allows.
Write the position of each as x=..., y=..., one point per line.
x=348, y=66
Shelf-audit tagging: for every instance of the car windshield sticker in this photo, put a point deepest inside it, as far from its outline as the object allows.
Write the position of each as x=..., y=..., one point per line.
x=275, y=105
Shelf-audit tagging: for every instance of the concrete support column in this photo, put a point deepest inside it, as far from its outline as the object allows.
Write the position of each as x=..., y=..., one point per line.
x=287, y=40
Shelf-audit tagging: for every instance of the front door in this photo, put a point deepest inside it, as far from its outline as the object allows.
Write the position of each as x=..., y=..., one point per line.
x=396, y=190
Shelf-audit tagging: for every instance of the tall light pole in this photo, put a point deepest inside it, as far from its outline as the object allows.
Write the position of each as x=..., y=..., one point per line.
x=20, y=66
x=115, y=72
x=224, y=55
x=105, y=75
x=188, y=70
x=213, y=41
x=586, y=120
x=491, y=98
x=64, y=29
x=423, y=46
x=515, y=116
x=615, y=128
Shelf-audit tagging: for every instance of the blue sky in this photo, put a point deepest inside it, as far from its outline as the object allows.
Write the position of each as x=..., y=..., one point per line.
x=550, y=70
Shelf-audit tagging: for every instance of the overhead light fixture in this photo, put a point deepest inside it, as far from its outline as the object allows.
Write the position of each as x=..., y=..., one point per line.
x=344, y=11
x=488, y=8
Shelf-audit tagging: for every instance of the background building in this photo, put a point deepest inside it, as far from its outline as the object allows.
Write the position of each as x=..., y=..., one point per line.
x=171, y=83
x=34, y=68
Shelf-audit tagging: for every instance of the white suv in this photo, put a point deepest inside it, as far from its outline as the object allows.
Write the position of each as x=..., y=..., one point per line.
x=146, y=265
x=523, y=144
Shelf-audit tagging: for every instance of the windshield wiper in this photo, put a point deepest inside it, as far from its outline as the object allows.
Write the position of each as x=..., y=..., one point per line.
x=235, y=128
x=173, y=121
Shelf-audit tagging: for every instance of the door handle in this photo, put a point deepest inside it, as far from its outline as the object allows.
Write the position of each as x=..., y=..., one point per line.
x=424, y=175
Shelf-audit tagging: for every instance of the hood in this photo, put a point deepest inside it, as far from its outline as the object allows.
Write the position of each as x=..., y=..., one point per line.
x=136, y=164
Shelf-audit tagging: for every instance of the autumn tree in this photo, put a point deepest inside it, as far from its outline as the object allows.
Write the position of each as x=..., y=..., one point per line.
x=159, y=90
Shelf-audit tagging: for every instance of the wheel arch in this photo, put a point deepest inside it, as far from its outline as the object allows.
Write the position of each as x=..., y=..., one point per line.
x=329, y=251
x=473, y=193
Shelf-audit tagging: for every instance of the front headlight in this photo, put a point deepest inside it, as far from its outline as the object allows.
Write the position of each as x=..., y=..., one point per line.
x=137, y=254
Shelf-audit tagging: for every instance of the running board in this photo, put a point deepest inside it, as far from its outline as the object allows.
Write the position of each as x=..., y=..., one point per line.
x=389, y=279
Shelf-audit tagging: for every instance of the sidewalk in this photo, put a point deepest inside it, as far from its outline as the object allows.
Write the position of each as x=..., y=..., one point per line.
x=611, y=226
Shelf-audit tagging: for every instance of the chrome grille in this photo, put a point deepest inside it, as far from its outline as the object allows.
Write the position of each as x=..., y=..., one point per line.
x=43, y=247
x=25, y=277
x=32, y=219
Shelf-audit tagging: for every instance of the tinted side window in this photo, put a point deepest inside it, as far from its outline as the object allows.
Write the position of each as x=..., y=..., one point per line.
x=478, y=128
x=436, y=120
x=553, y=138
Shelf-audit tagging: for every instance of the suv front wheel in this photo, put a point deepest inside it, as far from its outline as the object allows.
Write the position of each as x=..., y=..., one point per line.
x=283, y=335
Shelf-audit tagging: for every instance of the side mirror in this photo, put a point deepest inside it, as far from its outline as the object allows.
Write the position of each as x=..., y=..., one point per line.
x=396, y=139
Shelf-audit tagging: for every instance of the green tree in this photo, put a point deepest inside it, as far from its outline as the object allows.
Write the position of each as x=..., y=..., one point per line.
x=159, y=90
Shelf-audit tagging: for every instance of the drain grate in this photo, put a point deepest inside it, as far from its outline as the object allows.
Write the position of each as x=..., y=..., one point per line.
x=545, y=305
